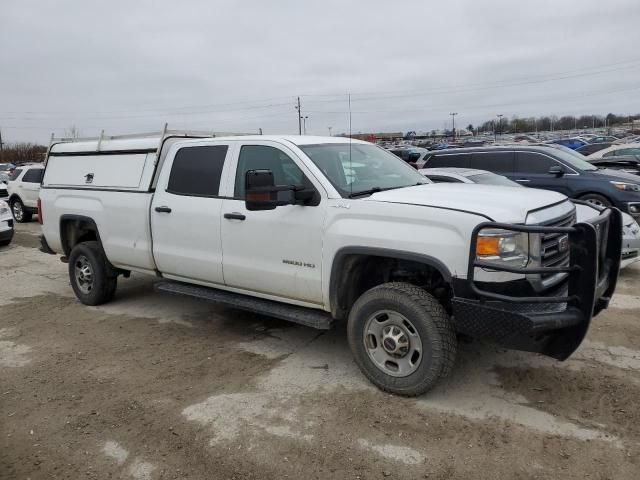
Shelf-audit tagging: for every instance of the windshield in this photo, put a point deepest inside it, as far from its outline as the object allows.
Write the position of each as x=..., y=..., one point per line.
x=492, y=179
x=573, y=158
x=360, y=168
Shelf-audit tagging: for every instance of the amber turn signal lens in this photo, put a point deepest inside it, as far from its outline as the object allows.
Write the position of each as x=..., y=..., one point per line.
x=488, y=246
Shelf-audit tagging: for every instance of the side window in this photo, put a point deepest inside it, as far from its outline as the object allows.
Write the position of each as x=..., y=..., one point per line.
x=530, y=162
x=263, y=157
x=33, y=175
x=196, y=171
x=16, y=174
x=497, y=162
x=609, y=154
x=626, y=151
x=449, y=160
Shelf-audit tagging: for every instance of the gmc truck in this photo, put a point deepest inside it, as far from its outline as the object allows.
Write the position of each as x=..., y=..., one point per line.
x=318, y=230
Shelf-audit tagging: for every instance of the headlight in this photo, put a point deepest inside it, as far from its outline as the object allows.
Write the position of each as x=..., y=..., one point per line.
x=4, y=207
x=503, y=246
x=629, y=187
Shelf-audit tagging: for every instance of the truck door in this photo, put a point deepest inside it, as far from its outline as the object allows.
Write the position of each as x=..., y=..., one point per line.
x=275, y=252
x=185, y=213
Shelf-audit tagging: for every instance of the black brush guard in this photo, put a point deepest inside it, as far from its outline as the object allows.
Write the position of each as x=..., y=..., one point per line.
x=552, y=325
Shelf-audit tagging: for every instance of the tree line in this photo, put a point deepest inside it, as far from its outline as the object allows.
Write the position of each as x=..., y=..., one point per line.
x=553, y=122
x=22, y=152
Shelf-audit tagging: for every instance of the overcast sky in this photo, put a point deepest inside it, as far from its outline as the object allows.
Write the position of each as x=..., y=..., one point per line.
x=129, y=66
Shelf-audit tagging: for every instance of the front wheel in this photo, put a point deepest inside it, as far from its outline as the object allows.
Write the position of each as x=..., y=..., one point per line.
x=595, y=199
x=401, y=338
x=93, y=279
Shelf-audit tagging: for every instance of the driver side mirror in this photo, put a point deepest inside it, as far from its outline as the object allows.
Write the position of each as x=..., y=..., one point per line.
x=261, y=192
x=556, y=170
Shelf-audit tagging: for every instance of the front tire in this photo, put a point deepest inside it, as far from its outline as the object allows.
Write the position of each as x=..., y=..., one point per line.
x=401, y=338
x=93, y=279
x=595, y=199
x=19, y=213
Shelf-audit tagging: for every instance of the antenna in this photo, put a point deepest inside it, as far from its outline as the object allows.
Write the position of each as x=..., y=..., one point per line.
x=350, y=167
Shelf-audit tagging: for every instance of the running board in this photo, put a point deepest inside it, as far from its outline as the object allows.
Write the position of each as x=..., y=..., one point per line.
x=302, y=315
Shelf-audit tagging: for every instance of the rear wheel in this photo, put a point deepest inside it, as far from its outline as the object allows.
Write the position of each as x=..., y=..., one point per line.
x=401, y=338
x=19, y=213
x=93, y=279
x=595, y=199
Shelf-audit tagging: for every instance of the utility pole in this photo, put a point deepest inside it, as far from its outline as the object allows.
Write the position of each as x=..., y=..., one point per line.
x=453, y=126
x=329, y=130
x=500, y=115
x=1, y=144
x=299, y=117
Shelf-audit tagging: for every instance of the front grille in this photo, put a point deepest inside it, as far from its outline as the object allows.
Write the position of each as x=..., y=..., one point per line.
x=554, y=246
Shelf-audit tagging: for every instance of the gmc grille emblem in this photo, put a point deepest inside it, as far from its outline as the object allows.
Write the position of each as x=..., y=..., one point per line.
x=563, y=243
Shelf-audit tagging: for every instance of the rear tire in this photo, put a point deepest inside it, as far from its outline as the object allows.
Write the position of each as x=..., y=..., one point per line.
x=92, y=277
x=18, y=211
x=597, y=200
x=401, y=338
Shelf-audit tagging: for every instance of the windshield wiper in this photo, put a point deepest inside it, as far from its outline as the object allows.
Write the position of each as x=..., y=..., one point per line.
x=378, y=189
x=365, y=192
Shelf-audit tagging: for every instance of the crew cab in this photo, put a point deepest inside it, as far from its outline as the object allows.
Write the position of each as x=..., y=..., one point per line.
x=318, y=230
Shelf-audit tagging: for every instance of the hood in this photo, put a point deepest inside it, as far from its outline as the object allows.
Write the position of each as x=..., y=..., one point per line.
x=501, y=204
x=617, y=175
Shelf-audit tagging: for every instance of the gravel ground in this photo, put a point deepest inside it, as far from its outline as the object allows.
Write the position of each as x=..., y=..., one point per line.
x=159, y=387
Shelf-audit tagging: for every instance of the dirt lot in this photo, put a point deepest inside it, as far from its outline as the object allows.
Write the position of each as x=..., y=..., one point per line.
x=157, y=387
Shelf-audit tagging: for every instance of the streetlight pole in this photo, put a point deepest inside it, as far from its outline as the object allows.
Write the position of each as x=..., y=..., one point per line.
x=304, y=123
x=500, y=115
x=329, y=130
x=453, y=126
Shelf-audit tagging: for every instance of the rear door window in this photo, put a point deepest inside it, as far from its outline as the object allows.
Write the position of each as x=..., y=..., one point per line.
x=196, y=171
x=449, y=160
x=16, y=174
x=33, y=175
x=497, y=162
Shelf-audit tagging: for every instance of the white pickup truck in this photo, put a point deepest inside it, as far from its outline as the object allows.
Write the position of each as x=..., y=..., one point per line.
x=316, y=230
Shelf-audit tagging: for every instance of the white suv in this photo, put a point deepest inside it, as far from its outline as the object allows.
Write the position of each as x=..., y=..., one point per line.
x=23, y=189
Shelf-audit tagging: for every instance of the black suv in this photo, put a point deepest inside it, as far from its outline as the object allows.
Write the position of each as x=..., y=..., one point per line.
x=550, y=168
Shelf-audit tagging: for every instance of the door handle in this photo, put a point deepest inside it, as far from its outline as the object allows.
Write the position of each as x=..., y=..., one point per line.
x=234, y=216
x=522, y=180
x=163, y=209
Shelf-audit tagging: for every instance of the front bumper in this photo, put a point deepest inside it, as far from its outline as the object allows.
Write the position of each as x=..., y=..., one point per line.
x=6, y=234
x=551, y=323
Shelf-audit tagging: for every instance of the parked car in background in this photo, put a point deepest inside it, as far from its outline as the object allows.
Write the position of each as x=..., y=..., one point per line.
x=628, y=163
x=572, y=143
x=466, y=175
x=411, y=155
x=6, y=224
x=590, y=148
x=551, y=169
x=23, y=188
x=603, y=139
x=617, y=150
x=6, y=170
x=630, y=228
